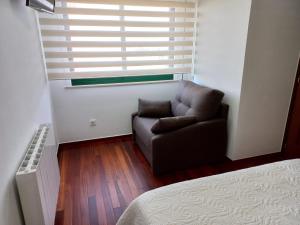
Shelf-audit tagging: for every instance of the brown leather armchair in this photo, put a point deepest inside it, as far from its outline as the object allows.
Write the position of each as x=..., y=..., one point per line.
x=202, y=142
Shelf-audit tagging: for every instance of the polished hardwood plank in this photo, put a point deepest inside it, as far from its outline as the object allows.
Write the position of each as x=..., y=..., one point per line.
x=99, y=178
x=93, y=211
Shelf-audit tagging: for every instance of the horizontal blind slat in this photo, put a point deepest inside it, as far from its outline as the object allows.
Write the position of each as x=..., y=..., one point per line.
x=87, y=54
x=116, y=44
x=151, y=3
x=111, y=12
x=73, y=75
x=87, y=33
x=57, y=65
x=112, y=23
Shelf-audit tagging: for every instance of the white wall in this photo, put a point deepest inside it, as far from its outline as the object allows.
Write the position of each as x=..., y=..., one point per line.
x=270, y=68
x=221, y=43
x=24, y=98
x=111, y=106
x=257, y=81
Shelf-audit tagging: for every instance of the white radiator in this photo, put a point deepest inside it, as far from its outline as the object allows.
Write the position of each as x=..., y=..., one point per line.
x=38, y=179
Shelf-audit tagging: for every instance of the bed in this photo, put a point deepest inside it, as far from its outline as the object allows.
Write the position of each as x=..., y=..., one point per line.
x=262, y=195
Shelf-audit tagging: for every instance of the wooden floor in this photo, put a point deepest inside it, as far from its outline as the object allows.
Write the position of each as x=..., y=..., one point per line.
x=100, y=178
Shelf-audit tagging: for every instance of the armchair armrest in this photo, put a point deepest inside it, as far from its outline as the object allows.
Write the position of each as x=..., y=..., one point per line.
x=169, y=124
x=132, y=118
x=200, y=142
x=134, y=115
x=200, y=129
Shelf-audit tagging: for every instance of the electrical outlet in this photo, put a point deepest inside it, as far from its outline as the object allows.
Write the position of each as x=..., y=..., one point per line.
x=93, y=122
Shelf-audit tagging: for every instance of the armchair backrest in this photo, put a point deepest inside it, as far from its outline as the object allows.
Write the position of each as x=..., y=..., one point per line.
x=196, y=100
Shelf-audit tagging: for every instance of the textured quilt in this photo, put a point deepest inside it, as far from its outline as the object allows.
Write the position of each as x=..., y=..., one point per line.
x=263, y=195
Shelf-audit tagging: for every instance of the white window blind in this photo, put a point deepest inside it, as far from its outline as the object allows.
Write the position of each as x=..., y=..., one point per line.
x=107, y=38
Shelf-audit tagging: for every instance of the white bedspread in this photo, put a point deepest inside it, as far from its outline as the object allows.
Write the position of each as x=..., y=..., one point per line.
x=263, y=195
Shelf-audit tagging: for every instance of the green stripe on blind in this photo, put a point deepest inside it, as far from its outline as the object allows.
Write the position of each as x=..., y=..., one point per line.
x=119, y=80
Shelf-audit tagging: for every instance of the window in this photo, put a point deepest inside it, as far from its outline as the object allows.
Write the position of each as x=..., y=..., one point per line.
x=114, y=39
